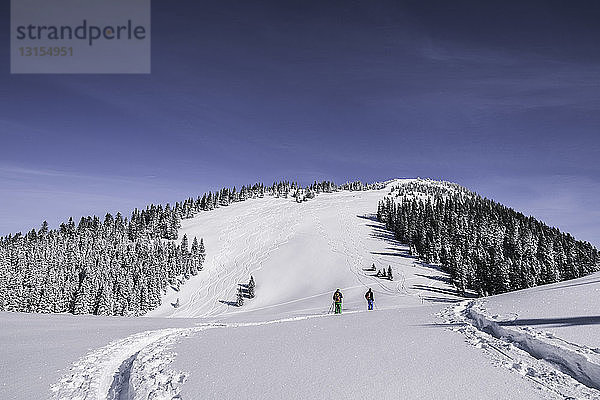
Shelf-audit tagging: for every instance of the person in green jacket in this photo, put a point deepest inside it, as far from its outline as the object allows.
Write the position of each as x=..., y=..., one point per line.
x=337, y=300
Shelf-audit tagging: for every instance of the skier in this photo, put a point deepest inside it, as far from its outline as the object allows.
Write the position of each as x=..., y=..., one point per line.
x=337, y=299
x=369, y=297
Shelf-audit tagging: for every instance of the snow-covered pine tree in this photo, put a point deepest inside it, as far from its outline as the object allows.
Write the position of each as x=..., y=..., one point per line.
x=240, y=297
x=195, y=257
x=185, y=258
x=201, y=253
x=485, y=246
x=251, y=286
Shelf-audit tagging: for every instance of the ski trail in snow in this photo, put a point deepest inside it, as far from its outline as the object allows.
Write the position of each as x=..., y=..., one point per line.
x=243, y=238
x=354, y=259
x=564, y=373
x=137, y=367
x=92, y=376
x=328, y=293
x=351, y=245
x=238, y=255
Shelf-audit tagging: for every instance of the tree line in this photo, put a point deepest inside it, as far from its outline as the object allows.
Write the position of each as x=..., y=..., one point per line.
x=484, y=246
x=115, y=265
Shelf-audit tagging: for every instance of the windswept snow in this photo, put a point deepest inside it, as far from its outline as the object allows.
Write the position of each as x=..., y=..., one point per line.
x=284, y=343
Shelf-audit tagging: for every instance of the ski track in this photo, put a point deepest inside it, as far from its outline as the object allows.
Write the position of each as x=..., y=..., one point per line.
x=354, y=259
x=223, y=274
x=137, y=367
x=96, y=375
x=563, y=369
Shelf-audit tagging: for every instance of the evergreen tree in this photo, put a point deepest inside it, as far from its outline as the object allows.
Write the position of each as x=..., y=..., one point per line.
x=240, y=297
x=251, y=286
x=485, y=247
x=119, y=265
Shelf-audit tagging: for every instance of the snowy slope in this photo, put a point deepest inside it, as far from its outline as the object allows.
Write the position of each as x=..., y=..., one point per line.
x=422, y=341
x=570, y=309
x=542, y=329
x=389, y=354
x=298, y=254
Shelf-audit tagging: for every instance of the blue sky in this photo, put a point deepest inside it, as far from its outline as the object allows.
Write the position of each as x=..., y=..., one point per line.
x=504, y=99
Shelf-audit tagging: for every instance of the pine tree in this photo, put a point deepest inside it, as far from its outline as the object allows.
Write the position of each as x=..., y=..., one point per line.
x=240, y=297
x=485, y=246
x=201, y=253
x=184, y=245
x=251, y=286
x=195, y=257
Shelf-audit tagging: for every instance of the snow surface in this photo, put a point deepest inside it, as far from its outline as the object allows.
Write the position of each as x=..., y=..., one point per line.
x=299, y=254
x=422, y=342
x=556, y=325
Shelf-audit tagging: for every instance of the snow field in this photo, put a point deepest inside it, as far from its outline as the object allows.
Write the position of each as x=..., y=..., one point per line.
x=564, y=369
x=388, y=354
x=285, y=344
x=299, y=254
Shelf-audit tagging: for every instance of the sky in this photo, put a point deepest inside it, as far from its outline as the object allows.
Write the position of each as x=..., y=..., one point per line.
x=501, y=97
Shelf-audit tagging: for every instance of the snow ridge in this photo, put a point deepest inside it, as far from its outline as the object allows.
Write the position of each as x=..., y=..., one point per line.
x=571, y=362
x=561, y=370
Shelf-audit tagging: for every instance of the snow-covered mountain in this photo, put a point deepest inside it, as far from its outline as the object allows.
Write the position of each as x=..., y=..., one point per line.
x=297, y=253
x=423, y=340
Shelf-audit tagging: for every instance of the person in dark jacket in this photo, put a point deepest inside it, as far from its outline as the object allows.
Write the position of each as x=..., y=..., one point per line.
x=337, y=300
x=370, y=299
